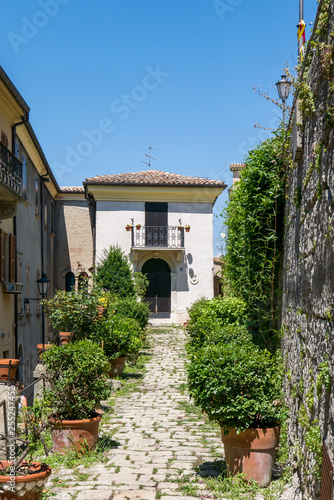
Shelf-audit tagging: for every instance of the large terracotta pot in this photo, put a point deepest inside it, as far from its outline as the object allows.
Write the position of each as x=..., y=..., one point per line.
x=28, y=487
x=117, y=366
x=65, y=337
x=78, y=434
x=4, y=368
x=251, y=452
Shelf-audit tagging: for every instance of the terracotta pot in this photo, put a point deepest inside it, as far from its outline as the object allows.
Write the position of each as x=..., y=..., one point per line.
x=65, y=337
x=138, y=226
x=78, y=434
x=28, y=487
x=4, y=368
x=41, y=349
x=180, y=228
x=252, y=452
x=117, y=366
x=187, y=229
x=128, y=228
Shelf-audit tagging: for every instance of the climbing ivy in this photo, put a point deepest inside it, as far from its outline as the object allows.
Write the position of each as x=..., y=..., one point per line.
x=254, y=220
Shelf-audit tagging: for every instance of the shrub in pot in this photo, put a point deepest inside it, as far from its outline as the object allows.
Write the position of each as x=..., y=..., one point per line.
x=238, y=385
x=130, y=307
x=73, y=311
x=119, y=336
x=25, y=478
x=77, y=375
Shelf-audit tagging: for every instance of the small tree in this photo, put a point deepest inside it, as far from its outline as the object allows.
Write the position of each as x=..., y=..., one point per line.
x=114, y=273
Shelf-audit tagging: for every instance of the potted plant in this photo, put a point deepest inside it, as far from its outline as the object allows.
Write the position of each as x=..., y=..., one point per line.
x=180, y=228
x=119, y=337
x=238, y=385
x=77, y=375
x=42, y=348
x=138, y=226
x=72, y=313
x=187, y=228
x=129, y=227
x=24, y=478
x=8, y=369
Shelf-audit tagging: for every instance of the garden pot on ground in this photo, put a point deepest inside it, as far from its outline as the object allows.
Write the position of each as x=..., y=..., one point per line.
x=29, y=487
x=4, y=368
x=251, y=452
x=78, y=434
x=117, y=366
x=65, y=337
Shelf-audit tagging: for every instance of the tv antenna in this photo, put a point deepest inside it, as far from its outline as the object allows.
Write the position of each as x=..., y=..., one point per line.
x=150, y=157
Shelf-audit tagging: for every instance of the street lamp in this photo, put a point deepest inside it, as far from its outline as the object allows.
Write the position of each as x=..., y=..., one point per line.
x=43, y=284
x=283, y=88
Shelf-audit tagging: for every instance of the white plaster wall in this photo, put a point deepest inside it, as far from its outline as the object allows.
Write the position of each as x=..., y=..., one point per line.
x=192, y=277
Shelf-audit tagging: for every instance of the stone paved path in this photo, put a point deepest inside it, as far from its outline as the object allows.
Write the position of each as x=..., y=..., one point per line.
x=159, y=443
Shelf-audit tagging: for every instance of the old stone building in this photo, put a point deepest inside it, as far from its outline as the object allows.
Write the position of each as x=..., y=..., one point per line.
x=308, y=290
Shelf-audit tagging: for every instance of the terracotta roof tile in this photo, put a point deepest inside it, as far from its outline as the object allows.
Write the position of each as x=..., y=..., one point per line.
x=71, y=189
x=154, y=178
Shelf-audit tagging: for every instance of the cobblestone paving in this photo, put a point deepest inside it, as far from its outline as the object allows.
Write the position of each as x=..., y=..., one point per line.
x=160, y=444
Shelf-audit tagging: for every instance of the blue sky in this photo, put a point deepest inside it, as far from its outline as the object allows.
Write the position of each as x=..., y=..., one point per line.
x=106, y=79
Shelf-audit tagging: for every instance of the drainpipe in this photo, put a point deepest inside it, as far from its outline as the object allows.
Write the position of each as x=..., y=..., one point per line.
x=25, y=118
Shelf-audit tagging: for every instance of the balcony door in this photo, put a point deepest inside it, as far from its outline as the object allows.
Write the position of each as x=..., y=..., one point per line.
x=156, y=224
x=158, y=292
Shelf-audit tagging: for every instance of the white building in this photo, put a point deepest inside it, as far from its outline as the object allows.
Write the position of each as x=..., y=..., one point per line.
x=159, y=206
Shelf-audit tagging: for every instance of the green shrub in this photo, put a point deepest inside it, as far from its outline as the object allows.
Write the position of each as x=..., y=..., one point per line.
x=73, y=312
x=120, y=336
x=77, y=374
x=229, y=310
x=114, y=273
x=208, y=331
x=130, y=307
x=237, y=384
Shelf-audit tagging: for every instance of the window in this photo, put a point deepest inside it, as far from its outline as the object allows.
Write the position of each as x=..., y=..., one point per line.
x=45, y=208
x=7, y=257
x=69, y=282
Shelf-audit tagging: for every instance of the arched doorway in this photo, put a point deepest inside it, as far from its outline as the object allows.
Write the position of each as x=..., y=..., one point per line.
x=159, y=290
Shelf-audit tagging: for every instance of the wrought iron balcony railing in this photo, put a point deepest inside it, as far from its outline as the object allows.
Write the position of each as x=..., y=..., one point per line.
x=158, y=237
x=10, y=170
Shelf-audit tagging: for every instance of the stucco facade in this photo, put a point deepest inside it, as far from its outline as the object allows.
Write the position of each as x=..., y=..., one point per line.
x=189, y=255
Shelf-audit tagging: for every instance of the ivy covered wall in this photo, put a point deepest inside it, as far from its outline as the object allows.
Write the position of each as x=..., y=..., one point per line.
x=308, y=281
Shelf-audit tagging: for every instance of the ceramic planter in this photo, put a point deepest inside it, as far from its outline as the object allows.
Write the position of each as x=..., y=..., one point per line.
x=180, y=228
x=4, y=369
x=187, y=228
x=138, y=226
x=41, y=349
x=251, y=452
x=128, y=228
x=78, y=434
x=28, y=487
x=117, y=366
x=65, y=337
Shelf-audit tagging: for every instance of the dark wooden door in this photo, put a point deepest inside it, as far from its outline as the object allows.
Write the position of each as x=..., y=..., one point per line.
x=156, y=224
x=158, y=293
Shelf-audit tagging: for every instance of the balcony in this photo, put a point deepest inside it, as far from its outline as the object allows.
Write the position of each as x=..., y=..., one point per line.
x=11, y=184
x=167, y=237
x=157, y=238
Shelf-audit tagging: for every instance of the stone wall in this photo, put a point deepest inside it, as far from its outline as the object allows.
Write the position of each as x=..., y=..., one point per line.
x=308, y=298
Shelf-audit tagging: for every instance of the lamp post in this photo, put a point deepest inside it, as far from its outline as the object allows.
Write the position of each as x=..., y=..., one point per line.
x=283, y=88
x=43, y=284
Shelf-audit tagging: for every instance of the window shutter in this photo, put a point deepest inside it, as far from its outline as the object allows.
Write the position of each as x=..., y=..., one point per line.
x=2, y=255
x=12, y=255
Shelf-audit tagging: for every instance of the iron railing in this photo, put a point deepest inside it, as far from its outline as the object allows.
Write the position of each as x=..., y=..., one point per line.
x=157, y=237
x=10, y=170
